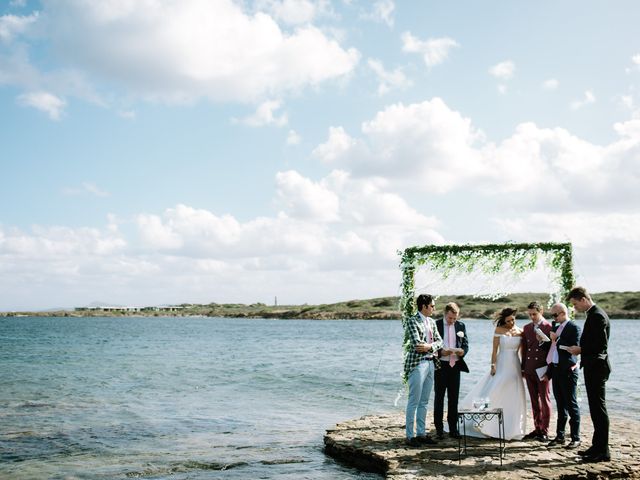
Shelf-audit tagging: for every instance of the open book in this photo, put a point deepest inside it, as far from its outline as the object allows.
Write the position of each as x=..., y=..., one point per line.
x=542, y=335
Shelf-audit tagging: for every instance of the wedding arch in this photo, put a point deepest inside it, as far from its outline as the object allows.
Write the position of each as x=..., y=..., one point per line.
x=488, y=259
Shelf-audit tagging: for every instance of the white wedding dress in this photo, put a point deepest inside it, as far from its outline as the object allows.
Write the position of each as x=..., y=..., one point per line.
x=505, y=390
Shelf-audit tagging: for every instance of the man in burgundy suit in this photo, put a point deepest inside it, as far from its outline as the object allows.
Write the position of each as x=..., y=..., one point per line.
x=534, y=356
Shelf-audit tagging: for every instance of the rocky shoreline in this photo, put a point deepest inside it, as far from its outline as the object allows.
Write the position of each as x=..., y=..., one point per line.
x=375, y=443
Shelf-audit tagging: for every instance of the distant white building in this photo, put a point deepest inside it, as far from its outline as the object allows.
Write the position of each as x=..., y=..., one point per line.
x=105, y=308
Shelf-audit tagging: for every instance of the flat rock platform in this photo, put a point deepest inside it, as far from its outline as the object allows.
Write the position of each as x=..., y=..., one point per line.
x=375, y=443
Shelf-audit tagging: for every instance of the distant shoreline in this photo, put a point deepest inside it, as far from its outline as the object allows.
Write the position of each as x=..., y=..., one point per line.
x=620, y=305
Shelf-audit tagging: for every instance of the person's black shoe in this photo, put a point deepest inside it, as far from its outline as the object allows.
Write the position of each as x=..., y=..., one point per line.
x=573, y=444
x=556, y=442
x=412, y=442
x=586, y=453
x=542, y=438
x=440, y=435
x=455, y=435
x=597, y=458
x=426, y=440
x=531, y=435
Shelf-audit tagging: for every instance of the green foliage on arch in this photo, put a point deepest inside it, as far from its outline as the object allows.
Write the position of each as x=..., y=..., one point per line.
x=491, y=259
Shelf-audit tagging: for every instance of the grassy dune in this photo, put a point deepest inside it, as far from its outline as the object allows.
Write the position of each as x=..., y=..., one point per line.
x=617, y=304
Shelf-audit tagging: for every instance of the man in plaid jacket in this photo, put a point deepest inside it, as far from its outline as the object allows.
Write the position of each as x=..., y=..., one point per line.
x=422, y=341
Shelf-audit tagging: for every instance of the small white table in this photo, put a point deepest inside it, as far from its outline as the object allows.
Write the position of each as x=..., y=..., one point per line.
x=478, y=417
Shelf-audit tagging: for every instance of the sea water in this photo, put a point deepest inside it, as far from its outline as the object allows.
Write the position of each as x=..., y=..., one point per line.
x=209, y=398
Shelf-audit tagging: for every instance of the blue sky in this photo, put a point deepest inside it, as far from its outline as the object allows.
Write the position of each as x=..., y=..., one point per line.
x=232, y=151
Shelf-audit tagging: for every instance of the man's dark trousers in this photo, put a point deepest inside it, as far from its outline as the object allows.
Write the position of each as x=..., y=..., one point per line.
x=595, y=378
x=565, y=384
x=447, y=380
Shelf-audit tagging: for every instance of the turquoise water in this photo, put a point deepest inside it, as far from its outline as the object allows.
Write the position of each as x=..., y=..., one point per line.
x=211, y=398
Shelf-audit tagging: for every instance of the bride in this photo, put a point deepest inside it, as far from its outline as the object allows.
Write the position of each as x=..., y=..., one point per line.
x=503, y=386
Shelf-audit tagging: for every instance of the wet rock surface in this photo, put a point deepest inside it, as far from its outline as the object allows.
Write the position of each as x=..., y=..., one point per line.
x=375, y=443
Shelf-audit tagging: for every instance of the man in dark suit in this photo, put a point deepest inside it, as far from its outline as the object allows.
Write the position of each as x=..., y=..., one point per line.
x=593, y=349
x=447, y=378
x=564, y=374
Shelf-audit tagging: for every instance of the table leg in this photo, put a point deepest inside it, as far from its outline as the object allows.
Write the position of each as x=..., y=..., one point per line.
x=463, y=432
x=502, y=439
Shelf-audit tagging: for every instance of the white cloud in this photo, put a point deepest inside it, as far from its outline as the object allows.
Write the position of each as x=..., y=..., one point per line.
x=336, y=147
x=336, y=222
x=128, y=114
x=388, y=80
x=434, y=50
x=382, y=12
x=192, y=232
x=366, y=202
x=550, y=84
x=197, y=233
x=409, y=143
x=532, y=156
x=362, y=203
x=630, y=133
x=45, y=102
x=54, y=243
x=503, y=70
x=627, y=101
x=15, y=25
x=305, y=199
x=184, y=51
x=293, y=138
x=580, y=228
x=156, y=234
x=86, y=188
x=18, y=3
x=294, y=12
x=636, y=59
x=264, y=115
x=429, y=147
x=588, y=99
